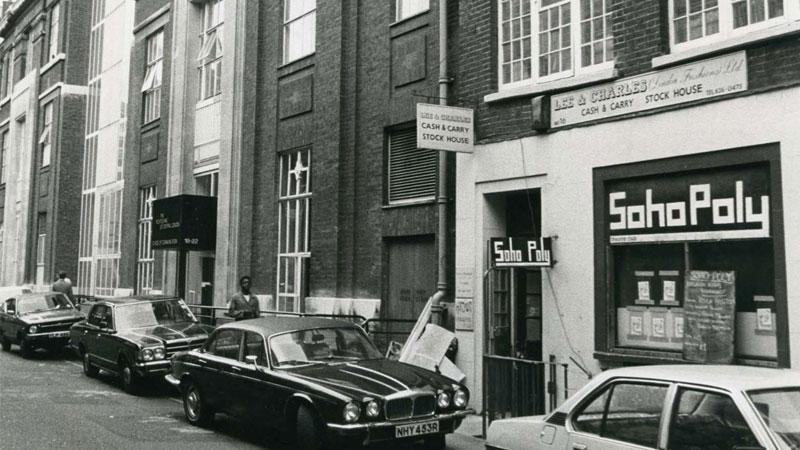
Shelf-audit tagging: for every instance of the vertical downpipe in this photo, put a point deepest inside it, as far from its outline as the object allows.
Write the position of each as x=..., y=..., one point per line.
x=441, y=195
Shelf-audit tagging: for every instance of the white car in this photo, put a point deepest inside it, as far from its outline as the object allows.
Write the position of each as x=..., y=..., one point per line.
x=675, y=407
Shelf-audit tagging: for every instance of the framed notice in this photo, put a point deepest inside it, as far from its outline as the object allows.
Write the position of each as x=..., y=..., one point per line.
x=709, y=309
x=643, y=279
x=464, y=318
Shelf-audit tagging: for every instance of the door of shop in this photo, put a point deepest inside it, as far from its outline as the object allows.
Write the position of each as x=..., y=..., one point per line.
x=514, y=372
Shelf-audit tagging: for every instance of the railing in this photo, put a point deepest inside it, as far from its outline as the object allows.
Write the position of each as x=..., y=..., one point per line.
x=384, y=331
x=515, y=387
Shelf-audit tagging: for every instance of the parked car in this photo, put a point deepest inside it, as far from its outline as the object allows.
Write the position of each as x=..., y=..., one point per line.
x=134, y=337
x=667, y=407
x=38, y=320
x=321, y=379
x=7, y=292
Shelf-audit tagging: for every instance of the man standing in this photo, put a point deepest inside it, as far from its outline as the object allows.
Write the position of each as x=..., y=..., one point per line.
x=243, y=304
x=63, y=285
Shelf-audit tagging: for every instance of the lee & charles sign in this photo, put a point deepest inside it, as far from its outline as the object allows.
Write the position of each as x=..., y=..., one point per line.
x=445, y=128
x=690, y=82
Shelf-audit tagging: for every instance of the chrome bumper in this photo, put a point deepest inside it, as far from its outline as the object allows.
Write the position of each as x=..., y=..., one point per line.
x=172, y=380
x=369, y=425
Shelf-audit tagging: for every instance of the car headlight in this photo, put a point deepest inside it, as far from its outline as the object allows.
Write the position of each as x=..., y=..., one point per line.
x=443, y=400
x=373, y=409
x=159, y=353
x=460, y=398
x=351, y=412
x=33, y=329
x=147, y=354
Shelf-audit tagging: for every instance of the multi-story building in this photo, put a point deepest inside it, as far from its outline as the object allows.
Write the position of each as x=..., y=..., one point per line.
x=43, y=90
x=656, y=143
x=102, y=183
x=298, y=116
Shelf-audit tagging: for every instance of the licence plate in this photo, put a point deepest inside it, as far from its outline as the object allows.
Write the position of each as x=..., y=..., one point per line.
x=416, y=429
x=59, y=334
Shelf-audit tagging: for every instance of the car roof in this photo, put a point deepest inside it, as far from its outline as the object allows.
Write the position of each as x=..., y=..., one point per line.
x=136, y=299
x=36, y=294
x=731, y=378
x=272, y=325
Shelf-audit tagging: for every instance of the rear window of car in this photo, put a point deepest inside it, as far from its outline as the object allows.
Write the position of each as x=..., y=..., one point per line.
x=780, y=409
x=708, y=420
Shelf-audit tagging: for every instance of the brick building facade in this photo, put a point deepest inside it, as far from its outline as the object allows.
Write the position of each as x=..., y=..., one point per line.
x=648, y=139
x=43, y=91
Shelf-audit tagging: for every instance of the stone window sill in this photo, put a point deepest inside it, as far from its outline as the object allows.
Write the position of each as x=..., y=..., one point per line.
x=557, y=85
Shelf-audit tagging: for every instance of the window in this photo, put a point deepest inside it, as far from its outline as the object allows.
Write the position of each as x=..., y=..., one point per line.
x=543, y=40
x=210, y=57
x=700, y=22
x=254, y=345
x=207, y=184
x=99, y=313
x=625, y=411
x=3, y=157
x=779, y=409
x=5, y=75
x=294, y=204
x=41, y=241
x=151, y=87
x=225, y=344
x=54, y=46
x=710, y=421
x=408, y=8
x=299, y=29
x=145, y=260
x=412, y=172
x=46, y=139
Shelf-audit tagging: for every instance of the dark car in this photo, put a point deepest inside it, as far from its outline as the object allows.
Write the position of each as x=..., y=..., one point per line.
x=322, y=379
x=40, y=320
x=135, y=337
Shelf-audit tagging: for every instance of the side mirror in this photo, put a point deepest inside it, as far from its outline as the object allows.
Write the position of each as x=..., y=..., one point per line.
x=252, y=359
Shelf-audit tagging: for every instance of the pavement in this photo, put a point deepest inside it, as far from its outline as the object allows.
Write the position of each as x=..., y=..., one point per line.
x=47, y=402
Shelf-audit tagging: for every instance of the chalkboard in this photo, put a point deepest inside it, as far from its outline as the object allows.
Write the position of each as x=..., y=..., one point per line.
x=709, y=310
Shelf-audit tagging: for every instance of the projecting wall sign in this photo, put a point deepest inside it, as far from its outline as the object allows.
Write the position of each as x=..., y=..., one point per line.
x=704, y=79
x=445, y=128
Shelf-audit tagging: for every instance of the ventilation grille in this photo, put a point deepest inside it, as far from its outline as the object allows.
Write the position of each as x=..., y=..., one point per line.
x=412, y=171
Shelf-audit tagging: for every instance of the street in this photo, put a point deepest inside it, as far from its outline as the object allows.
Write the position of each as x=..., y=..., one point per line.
x=47, y=402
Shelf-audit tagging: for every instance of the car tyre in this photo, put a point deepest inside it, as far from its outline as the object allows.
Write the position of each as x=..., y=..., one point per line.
x=26, y=349
x=308, y=432
x=6, y=342
x=195, y=407
x=88, y=369
x=128, y=377
x=435, y=442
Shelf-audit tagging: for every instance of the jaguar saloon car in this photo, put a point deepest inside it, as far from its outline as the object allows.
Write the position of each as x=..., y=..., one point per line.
x=40, y=320
x=680, y=407
x=135, y=337
x=321, y=379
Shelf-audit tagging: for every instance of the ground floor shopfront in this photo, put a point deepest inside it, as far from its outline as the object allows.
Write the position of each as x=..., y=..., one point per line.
x=637, y=209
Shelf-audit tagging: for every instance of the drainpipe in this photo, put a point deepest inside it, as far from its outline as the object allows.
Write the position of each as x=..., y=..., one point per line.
x=441, y=196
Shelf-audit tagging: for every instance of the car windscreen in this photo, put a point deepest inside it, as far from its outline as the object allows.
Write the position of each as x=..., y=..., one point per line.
x=337, y=344
x=44, y=302
x=148, y=314
x=780, y=409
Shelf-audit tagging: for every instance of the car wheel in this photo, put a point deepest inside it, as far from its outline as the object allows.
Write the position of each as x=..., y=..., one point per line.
x=6, y=342
x=128, y=377
x=26, y=349
x=195, y=407
x=308, y=433
x=435, y=442
x=88, y=369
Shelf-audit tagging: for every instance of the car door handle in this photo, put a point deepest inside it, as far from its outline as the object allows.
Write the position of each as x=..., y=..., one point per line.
x=202, y=361
x=579, y=447
x=236, y=369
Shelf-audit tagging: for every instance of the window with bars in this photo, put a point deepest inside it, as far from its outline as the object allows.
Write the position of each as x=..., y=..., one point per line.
x=46, y=139
x=299, y=29
x=145, y=262
x=108, y=243
x=151, y=87
x=411, y=172
x=408, y=8
x=700, y=22
x=544, y=40
x=54, y=37
x=210, y=57
x=294, y=205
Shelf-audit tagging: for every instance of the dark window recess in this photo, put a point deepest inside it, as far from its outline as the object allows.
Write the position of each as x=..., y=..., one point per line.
x=411, y=171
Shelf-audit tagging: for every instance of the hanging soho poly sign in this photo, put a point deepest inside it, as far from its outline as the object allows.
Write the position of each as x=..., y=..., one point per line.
x=445, y=128
x=521, y=252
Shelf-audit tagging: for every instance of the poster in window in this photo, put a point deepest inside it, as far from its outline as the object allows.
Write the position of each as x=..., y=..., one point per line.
x=764, y=320
x=669, y=291
x=709, y=308
x=659, y=326
x=678, y=331
x=636, y=325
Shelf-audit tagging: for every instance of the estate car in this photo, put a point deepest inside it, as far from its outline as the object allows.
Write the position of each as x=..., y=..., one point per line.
x=680, y=407
x=321, y=379
x=134, y=337
x=40, y=320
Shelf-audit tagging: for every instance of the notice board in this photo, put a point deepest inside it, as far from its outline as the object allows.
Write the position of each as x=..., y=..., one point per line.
x=709, y=310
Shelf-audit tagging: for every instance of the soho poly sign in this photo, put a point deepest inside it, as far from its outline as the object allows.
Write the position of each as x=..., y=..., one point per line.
x=521, y=252
x=445, y=128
